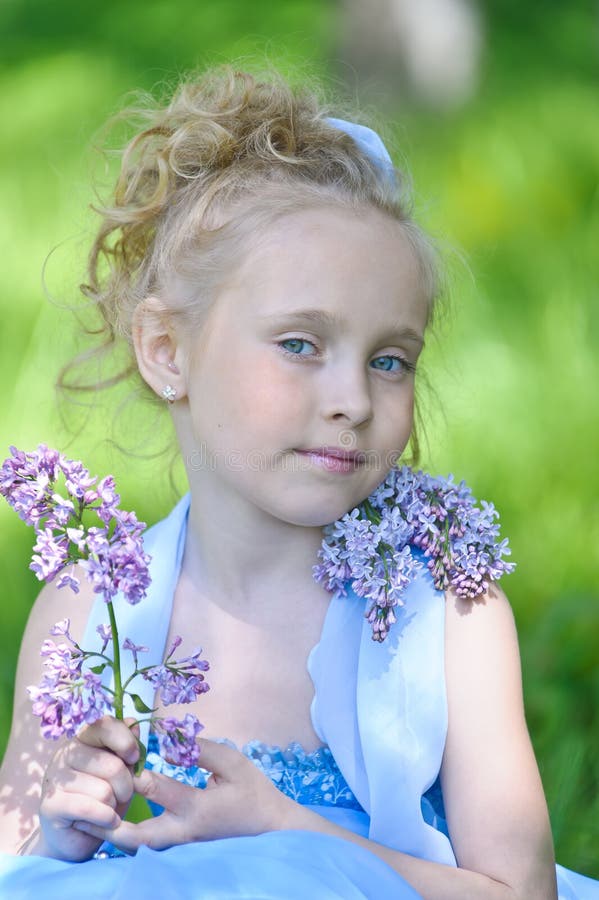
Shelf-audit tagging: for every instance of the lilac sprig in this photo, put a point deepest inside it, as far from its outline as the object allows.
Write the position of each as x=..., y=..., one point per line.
x=67, y=697
x=179, y=681
x=111, y=553
x=177, y=739
x=371, y=546
x=72, y=692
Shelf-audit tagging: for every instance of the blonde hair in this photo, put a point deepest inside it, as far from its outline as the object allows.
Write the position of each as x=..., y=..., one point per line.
x=225, y=157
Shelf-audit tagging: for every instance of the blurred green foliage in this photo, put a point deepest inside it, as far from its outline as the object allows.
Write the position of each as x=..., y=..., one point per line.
x=510, y=179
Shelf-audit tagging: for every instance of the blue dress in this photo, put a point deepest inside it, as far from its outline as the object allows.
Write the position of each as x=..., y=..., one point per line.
x=380, y=710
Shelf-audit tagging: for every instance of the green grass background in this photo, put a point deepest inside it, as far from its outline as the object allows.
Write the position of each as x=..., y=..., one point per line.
x=510, y=179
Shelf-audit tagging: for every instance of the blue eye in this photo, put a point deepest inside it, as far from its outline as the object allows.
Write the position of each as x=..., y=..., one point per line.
x=392, y=364
x=296, y=346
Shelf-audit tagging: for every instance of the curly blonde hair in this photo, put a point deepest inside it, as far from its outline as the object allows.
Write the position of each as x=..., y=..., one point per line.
x=225, y=157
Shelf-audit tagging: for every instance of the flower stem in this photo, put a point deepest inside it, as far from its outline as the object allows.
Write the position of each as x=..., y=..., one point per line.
x=116, y=664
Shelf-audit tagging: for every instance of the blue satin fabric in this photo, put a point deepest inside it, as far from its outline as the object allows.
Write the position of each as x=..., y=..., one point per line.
x=283, y=865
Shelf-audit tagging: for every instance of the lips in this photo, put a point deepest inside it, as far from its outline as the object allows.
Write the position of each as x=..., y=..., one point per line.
x=334, y=459
x=355, y=456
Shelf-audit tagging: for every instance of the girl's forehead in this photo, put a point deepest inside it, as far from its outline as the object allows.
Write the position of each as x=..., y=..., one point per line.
x=327, y=266
x=318, y=246
x=329, y=222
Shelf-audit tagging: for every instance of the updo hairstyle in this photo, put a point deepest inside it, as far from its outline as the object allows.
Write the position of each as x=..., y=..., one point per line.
x=227, y=156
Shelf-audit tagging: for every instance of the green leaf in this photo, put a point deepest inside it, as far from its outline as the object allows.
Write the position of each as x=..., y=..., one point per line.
x=139, y=705
x=139, y=765
x=97, y=670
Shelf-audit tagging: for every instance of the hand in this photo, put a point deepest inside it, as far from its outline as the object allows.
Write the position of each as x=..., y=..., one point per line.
x=89, y=782
x=238, y=800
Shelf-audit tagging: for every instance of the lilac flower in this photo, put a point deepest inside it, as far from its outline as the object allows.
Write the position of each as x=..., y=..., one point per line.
x=24, y=480
x=77, y=537
x=62, y=627
x=67, y=697
x=105, y=632
x=60, y=657
x=52, y=555
x=177, y=641
x=113, y=560
x=62, y=509
x=177, y=740
x=371, y=546
x=112, y=557
x=180, y=681
x=117, y=563
x=78, y=480
x=134, y=648
x=67, y=580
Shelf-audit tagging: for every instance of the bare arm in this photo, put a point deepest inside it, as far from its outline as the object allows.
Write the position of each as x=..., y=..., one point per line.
x=28, y=754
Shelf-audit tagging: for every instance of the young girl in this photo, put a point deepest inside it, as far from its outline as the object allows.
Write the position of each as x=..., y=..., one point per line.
x=261, y=263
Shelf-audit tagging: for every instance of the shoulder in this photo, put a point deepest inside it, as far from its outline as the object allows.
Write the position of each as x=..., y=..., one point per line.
x=54, y=604
x=482, y=658
x=476, y=626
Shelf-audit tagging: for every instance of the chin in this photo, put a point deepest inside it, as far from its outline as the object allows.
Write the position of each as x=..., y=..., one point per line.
x=315, y=515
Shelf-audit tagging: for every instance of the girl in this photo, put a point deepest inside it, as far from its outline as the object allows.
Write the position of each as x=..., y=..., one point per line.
x=260, y=261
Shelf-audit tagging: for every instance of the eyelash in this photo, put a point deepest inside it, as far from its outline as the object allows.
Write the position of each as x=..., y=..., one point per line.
x=406, y=365
x=281, y=344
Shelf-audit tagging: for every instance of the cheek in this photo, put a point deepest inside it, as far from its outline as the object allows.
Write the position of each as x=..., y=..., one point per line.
x=263, y=392
x=398, y=416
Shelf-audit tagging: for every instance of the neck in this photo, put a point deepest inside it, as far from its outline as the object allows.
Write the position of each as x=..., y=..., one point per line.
x=242, y=557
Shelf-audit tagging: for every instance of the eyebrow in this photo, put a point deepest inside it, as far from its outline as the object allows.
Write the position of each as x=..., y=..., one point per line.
x=330, y=320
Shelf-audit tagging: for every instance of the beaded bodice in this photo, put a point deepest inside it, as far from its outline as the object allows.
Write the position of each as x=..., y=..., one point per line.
x=308, y=778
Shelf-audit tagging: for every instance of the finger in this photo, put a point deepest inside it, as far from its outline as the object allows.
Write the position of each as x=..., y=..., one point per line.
x=104, y=834
x=70, y=808
x=132, y=724
x=104, y=765
x=167, y=792
x=221, y=760
x=130, y=836
x=83, y=784
x=111, y=734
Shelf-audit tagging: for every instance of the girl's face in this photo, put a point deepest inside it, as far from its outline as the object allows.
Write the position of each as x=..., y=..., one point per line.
x=301, y=382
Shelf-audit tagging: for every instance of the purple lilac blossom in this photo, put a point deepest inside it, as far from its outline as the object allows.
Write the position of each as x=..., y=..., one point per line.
x=134, y=648
x=65, y=579
x=105, y=632
x=113, y=561
x=66, y=697
x=371, y=546
x=177, y=740
x=112, y=557
x=179, y=681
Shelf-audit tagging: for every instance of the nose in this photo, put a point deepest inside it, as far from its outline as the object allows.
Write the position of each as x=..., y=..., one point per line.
x=346, y=396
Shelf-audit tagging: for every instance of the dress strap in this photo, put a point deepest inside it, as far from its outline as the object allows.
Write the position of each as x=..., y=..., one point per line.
x=382, y=709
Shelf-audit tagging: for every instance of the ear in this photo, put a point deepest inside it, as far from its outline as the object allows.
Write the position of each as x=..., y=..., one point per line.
x=160, y=354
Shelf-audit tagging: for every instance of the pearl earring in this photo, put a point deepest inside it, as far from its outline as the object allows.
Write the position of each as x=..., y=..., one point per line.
x=169, y=393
